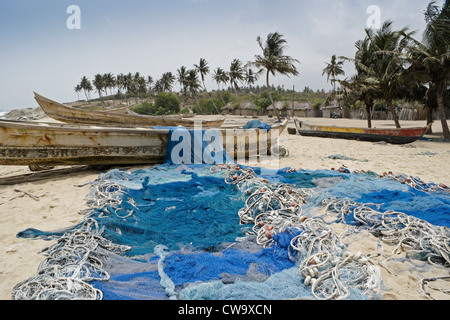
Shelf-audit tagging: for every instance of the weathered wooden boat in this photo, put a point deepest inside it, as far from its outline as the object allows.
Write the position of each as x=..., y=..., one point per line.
x=40, y=143
x=393, y=136
x=242, y=143
x=67, y=114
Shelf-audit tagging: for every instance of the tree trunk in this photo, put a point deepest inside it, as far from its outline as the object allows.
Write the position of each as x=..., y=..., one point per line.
x=429, y=119
x=394, y=113
x=237, y=96
x=369, y=106
x=441, y=111
x=270, y=96
x=210, y=96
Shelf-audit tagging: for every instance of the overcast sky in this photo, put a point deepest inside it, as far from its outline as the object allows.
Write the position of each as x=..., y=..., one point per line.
x=38, y=52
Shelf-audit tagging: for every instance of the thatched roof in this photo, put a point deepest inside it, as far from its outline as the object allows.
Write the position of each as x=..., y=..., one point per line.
x=333, y=105
x=297, y=105
x=228, y=106
x=242, y=106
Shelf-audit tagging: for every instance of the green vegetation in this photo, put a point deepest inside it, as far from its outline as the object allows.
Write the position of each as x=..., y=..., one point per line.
x=391, y=67
x=165, y=103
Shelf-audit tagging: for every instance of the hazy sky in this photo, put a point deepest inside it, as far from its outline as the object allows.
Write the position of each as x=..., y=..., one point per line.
x=38, y=52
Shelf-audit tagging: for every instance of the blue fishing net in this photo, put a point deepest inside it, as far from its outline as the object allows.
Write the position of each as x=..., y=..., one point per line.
x=257, y=124
x=186, y=241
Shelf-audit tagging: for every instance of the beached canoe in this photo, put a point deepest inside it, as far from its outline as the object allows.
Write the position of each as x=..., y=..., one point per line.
x=64, y=113
x=40, y=143
x=36, y=143
x=244, y=143
x=394, y=136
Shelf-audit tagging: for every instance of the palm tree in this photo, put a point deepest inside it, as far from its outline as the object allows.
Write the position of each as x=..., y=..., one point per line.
x=220, y=76
x=333, y=69
x=120, y=84
x=236, y=74
x=203, y=70
x=141, y=87
x=250, y=77
x=78, y=90
x=380, y=63
x=359, y=88
x=193, y=83
x=181, y=78
x=110, y=81
x=273, y=60
x=128, y=85
x=99, y=85
x=431, y=58
x=363, y=85
x=389, y=47
x=150, y=83
x=86, y=85
x=167, y=80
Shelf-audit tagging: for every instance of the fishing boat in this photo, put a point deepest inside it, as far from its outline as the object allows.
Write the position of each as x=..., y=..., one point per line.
x=41, y=143
x=67, y=114
x=393, y=136
x=242, y=143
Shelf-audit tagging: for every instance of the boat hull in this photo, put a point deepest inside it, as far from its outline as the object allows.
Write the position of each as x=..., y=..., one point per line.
x=39, y=143
x=393, y=136
x=25, y=143
x=68, y=114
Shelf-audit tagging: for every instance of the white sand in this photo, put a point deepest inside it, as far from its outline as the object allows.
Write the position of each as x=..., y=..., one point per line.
x=54, y=203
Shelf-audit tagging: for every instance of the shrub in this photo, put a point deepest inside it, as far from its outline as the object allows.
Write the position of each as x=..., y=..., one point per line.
x=167, y=102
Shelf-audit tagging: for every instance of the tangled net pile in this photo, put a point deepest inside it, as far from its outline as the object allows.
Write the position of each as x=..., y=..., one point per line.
x=231, y=232
x=71, y=263
x=407, y=233
x=325, y=264
x=417, y=183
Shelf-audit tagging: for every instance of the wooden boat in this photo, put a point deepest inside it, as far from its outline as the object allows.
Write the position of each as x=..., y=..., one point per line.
x=64, y=113
x=242, y=143
x=394, y=136
x=40, y=143
x=37, y=143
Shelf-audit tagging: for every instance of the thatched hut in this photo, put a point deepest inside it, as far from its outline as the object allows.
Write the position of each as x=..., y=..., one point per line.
x=290, y=109
x=243, y=109
x=332, y=110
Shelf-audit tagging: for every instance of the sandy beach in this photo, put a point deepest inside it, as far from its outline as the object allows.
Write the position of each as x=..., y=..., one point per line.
x=54, y=203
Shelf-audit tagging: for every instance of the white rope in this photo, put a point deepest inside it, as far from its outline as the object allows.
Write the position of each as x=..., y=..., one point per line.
x=71, y=262
x=276, y=208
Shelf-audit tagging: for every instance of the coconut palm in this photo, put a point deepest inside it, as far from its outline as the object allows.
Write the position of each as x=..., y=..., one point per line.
x=220, y=76
x=181, y=78
x=250, y=77
x=333, y=69
x=99, y=85
x=431, y=58
x=236, y=74
x=193, y=83
x=273, y=60
x=389, y=47
x=86, y=85
x=166, y=81
x=110, y=81
x=203, y=70
x=380, y=63
x=78, y=90
x=363, y=85
x=149, y=83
